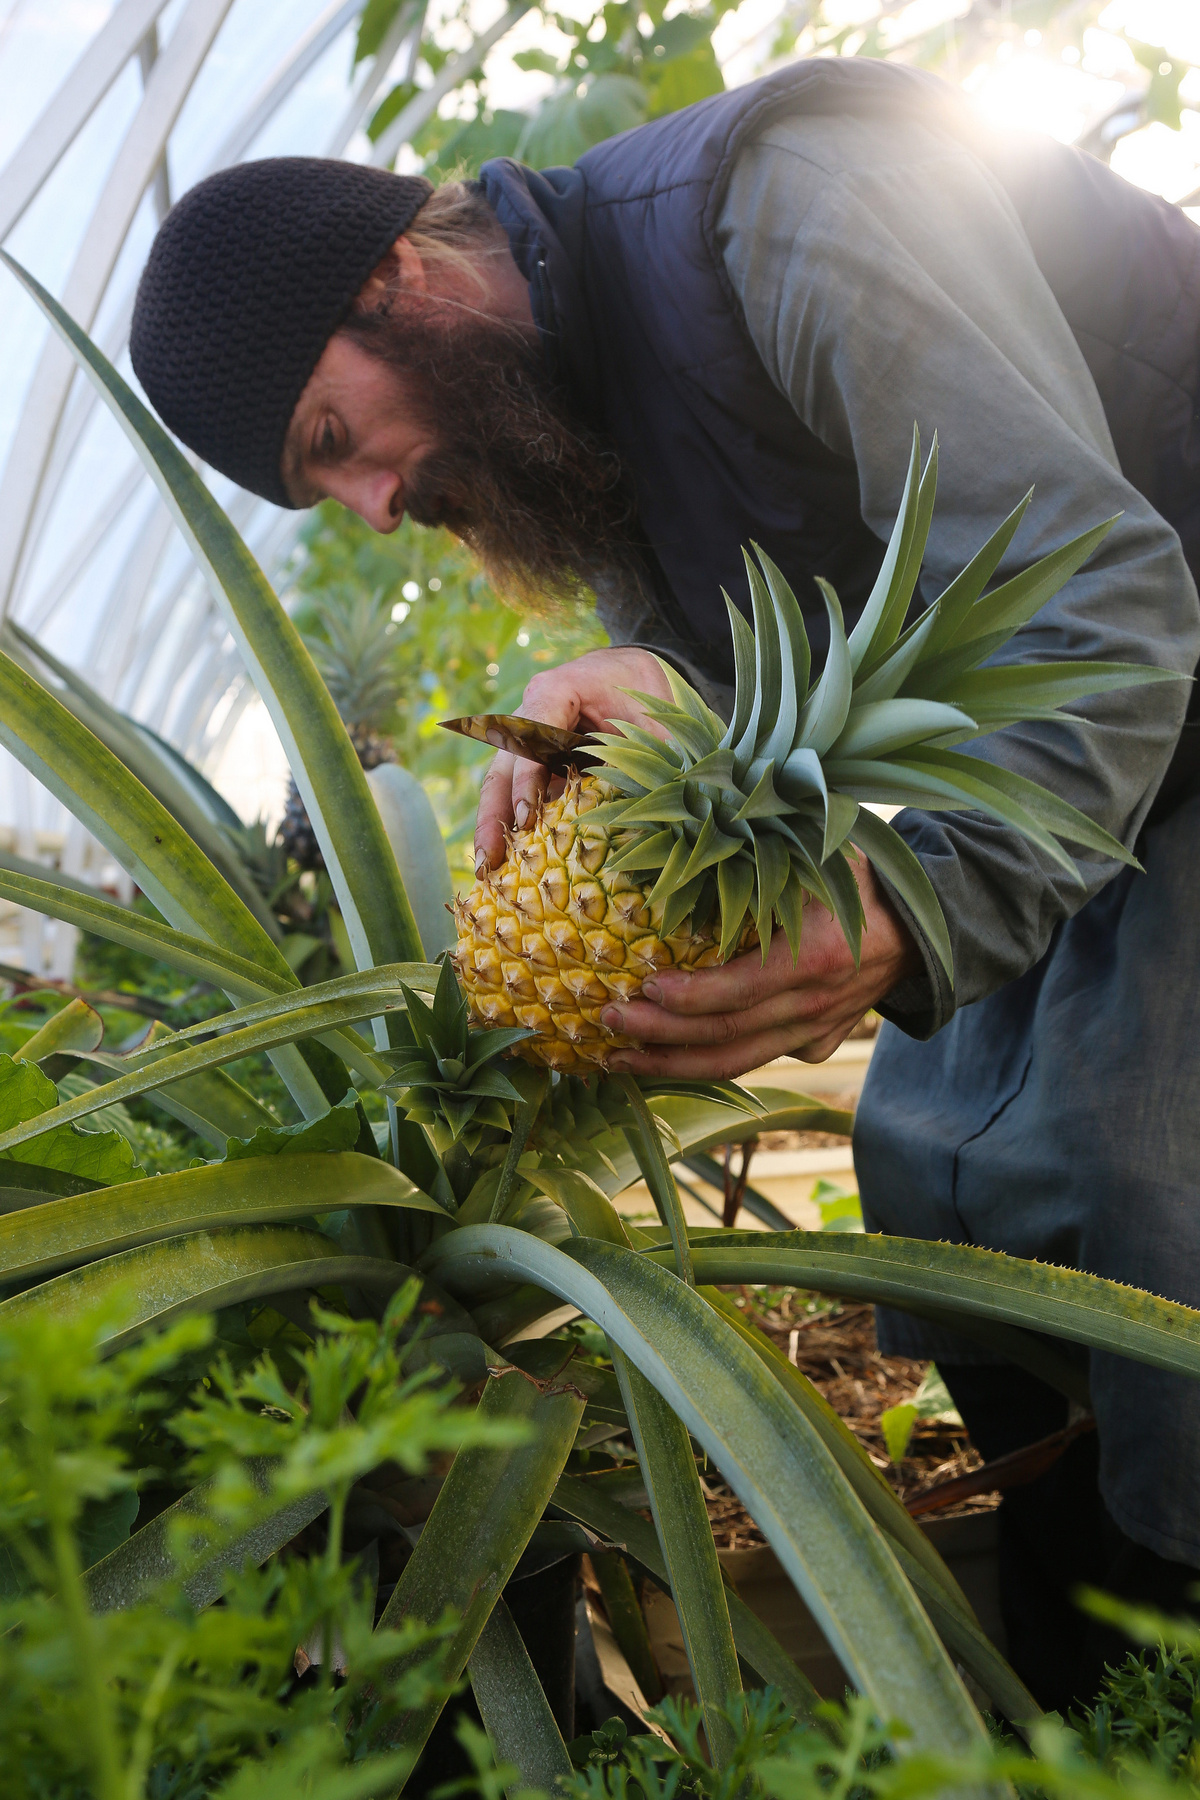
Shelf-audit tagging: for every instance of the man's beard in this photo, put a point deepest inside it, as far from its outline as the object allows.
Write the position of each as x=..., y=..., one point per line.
x=538, y=497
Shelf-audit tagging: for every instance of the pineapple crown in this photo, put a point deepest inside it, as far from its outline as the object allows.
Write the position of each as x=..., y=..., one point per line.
x=442, y=1070
x=745, y=821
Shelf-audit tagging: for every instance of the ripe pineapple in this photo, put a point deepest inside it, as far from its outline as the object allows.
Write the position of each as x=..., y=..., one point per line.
x=354, y=655
x=680, y=854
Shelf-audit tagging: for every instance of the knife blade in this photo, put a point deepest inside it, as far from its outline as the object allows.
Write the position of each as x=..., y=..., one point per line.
x=555, y=749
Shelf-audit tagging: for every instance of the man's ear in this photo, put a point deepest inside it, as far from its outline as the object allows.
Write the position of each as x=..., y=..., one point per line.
x=399, y=269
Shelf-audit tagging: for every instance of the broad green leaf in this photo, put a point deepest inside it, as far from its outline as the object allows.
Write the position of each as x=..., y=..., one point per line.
x=513, y=1707
x=130, y=1573
x=139, y=831
x=862, y=642
x=956, y=601
x=681, y=1521
x=337, y=1129
x=159, y=769
x=211, y=1104
x=304, y=1020
x=261, y=1190
x=203, y=1271
x=1003, y=696
x=587, y=1501
x=958, y=1279
x=192, y=956
x=1015, y=602
x=26, y=1097
x=825, y=710
x=332, y=785
x=998, y=789
x=416, y=839
x=767, y=1451
x=481, y=1521
x=656, y=1171
x=880, y=726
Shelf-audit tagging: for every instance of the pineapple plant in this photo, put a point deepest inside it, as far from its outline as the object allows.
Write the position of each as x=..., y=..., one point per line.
x=682, y=850
x=350, y=640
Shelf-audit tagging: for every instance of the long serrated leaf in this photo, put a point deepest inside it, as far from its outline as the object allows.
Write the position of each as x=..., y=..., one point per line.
x=764, y=703
x=735, y=884
x=795, y=660
x=743, y=665
x=681, y=1521
x=876, y=728
x=75, y=1027
x=1004, y=695
x=772, y=1458
x=481, y=1521
x=892, y=622
x=201, y=1272
x=353, y=841
x=882, y=680
x=656, y=1171
x=772, y=868
x=887, y=852
x=825, y=711
x=254, y=1191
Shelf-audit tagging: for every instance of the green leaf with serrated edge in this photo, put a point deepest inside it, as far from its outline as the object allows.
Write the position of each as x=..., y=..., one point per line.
x=26, y=1098
x=861, y=641
x=936, y=1586
x=585, y=1500
x=665, y=805
x=763, y=802
x=789, y=910
x=956, y=601
x=191, y=956
x=481, y=1521
x=892, y=784
x=656, y=1170
x=583, y=1200
x=130, y=1573
x=1014, y=603
x=892, y=623
x=303, y=1021
x=75, y=1027
x=680, y=904
x=689, y=701
x=890, y=856
x=825, y=709
x=680, y=1515
x=847, y=901
x=203, y=1271
x=959, y=1281
x=715, y=769
x=735, y=884
x=710, y=848
x=258, y=1191
x=512, y=1704
x=213, y=1104
x=743, y=663
x=149, y=760
x=334, y=789
x=643, y=766
x=998, y=787
x=768, y=1453
x=138, y=830
x=672, y=870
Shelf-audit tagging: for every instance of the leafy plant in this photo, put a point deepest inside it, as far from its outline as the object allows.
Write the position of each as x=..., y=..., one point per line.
x=116, y=1689
x=507, y=1217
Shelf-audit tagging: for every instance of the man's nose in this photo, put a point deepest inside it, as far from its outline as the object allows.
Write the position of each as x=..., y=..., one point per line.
x=378, y=498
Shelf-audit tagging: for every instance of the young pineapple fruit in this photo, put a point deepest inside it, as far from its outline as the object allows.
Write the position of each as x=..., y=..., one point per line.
x=355, y=660
x=681, y=854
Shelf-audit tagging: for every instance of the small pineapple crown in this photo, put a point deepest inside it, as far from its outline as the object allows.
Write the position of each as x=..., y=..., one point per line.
x=747, y=820
x=443, y=1073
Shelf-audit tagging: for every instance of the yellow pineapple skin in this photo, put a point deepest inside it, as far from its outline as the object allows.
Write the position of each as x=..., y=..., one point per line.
x=552, y=936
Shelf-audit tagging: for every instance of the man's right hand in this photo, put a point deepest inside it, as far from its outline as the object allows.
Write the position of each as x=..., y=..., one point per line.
x=584, y=695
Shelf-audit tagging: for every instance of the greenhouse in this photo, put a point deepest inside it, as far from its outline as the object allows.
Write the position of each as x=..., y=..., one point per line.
x=597, y=743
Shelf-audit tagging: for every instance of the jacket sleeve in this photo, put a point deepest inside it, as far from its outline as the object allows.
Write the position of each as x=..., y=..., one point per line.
x=885, y=279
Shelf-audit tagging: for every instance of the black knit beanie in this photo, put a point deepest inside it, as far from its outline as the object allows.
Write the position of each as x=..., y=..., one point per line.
x=248, y=279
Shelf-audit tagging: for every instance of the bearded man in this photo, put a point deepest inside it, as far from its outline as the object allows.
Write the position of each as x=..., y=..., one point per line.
x=719, y=329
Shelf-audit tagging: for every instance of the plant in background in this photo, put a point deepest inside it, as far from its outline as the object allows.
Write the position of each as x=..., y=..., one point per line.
x=115, y=1689
x=504, y=1208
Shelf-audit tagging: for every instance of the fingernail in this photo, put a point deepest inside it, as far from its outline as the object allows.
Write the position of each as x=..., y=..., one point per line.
x=612, y=1017
x=652, y=991
x=481, y=863
x=620, y=1065
x=522, y=814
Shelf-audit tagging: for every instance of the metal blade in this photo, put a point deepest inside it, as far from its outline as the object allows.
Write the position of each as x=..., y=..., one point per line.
x=557, y=750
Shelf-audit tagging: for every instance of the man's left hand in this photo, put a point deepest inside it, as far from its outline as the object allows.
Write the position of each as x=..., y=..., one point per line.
x=722, y=1022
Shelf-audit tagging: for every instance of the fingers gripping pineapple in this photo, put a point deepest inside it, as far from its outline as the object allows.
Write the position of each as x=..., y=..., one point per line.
x=686, y=850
